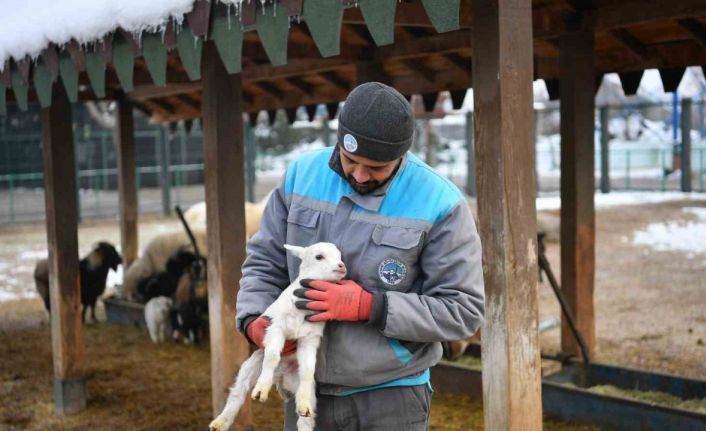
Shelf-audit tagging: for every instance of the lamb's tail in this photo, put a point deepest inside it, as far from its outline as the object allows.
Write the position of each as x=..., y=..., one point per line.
x=247, y=376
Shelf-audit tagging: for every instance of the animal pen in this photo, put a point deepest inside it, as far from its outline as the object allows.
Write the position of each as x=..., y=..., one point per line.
x=211, y=60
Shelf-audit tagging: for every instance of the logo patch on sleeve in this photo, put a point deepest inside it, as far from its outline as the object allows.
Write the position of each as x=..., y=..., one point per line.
x=392, y=271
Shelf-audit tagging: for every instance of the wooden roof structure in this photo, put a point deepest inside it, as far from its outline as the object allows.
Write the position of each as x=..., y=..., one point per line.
x=316, y=52
x=292, y=56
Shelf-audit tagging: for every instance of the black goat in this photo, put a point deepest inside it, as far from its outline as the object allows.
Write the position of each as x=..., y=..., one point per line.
x=165, y=283
x=93, y=272
x=191, y=302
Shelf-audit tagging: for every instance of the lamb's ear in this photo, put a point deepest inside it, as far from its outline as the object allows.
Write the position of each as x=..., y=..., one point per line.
x=296, y=250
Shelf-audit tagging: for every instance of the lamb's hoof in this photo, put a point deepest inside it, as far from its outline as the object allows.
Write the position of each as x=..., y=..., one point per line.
x=304, y=409
x=260, y=392
x=218, y=424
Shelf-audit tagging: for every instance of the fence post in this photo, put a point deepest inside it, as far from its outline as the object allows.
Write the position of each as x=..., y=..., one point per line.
x=12, y=198
x=701, y=170
x=627, y=169
x=686, y=144
x=77, y=184
x=470, y=159
x=164, y=170
x=605, y=154
x=104, y=159
x=327, y=132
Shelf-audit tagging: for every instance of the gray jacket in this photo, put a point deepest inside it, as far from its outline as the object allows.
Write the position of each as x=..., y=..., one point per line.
x=413, y=243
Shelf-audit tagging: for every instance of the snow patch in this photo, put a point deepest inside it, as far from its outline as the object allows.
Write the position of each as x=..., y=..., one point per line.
x=6, y=296
x=676, y=236
x=33, y=255
x=619, y=198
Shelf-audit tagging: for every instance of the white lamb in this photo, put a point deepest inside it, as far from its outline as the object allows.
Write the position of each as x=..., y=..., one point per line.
x=321, y=261
x=157, y=316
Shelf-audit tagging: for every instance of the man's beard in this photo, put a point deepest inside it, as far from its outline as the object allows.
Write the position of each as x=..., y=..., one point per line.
x=366, y=187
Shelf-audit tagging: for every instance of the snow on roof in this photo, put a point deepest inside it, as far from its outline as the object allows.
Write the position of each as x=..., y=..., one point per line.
x=29, y=26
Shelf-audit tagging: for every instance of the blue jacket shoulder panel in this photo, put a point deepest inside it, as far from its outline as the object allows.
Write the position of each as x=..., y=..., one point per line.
x=310, y=176
x=419, y=192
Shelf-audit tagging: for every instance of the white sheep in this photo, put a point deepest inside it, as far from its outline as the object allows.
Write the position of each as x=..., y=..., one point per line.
x=157, y=316
x=321, y=261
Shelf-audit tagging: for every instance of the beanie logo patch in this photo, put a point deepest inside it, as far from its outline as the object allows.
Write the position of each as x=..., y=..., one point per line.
x=350, y=143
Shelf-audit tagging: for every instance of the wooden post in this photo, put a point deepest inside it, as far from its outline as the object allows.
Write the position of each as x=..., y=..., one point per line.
x=124, y=140
x=62, y=239
x=605, y=151
x=577, y=69
x=470, y=158
x=225, y=203
x=686, y=145
x=250, y=153
x=502, y=78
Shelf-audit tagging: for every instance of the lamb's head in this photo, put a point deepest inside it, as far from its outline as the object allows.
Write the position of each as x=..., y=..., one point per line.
x=321, y=261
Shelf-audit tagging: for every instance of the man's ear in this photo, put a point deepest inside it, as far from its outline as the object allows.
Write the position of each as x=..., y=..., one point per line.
x=296, y=250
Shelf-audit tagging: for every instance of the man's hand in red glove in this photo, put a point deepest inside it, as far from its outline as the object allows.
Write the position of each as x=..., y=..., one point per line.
x=256, y=333
x=342, y=300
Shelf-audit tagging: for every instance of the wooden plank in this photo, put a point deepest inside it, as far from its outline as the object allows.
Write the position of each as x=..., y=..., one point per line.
x=124, y=140
x=577, y=183
x=225, y=203
x=696, y=30
x=62, y=240
x=502, y=74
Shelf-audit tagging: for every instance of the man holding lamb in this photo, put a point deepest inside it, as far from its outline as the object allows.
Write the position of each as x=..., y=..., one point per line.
x=413, y=256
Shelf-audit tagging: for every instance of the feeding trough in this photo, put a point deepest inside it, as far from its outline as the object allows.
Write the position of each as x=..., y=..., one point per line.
x=566, y=395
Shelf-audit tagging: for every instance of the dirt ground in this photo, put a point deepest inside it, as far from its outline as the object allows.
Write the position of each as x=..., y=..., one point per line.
x=650, y=313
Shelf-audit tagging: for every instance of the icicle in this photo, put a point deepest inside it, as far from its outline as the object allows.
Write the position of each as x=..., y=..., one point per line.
x=274, y=8
x=262, y=3
x=228, y=6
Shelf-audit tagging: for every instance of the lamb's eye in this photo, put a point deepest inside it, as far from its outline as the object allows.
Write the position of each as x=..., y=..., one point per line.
x=319, y=256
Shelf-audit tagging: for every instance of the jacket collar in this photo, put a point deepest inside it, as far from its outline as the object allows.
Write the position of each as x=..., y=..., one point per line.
x=370, y=201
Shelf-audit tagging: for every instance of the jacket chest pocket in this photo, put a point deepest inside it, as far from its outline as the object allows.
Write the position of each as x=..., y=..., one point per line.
x=302, y=225
x=395, y=258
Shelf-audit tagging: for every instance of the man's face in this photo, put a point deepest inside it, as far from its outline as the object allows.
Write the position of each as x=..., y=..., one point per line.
x=363, y=174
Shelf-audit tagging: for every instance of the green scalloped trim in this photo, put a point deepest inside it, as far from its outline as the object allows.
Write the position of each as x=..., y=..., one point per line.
x=43, y=84
x=229, y=42
x=20, y=87
x=69, y=76
x=190, y=49
x=443, y=14
x=273, y=30
x=124, y=63
x=3, y=101
x=95, y=67
x=324, y=19
x=379, y=16
x=155, y=54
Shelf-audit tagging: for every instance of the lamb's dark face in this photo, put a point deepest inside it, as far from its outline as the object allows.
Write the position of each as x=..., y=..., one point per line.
x=109, y=255
x=321, y=261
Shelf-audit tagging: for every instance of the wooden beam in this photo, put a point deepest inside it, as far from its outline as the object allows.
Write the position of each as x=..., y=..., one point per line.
x=225, y=203
x=336, y=80
x=371, y=71
x=502, y=74
x=270, y=88
x=62, y=241
x=696, y=30
x=420, y=68
x=124, y=141
x=635, y=45
x=578, y=183
x=628, y=13
x=463, y=64
x=301, y=85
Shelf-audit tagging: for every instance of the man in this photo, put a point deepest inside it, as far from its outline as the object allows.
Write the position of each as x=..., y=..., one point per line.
x=414, y=259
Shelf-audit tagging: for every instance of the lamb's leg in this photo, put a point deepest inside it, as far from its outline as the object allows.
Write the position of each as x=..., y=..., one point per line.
x=306, y=357
x=274, y=341
x=93, y=313
x=305, y=424
x=246, y=378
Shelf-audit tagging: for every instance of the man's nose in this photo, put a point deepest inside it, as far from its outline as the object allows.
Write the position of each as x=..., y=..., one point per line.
x=361, y=174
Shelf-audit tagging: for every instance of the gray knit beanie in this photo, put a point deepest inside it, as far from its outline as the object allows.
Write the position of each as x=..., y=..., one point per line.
x=376, y=122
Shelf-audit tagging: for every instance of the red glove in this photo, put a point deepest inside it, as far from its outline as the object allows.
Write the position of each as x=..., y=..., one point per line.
x=256, y=333
x=343, y=300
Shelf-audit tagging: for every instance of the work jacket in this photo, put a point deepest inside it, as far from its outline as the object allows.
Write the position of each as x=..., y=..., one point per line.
x=412, y=243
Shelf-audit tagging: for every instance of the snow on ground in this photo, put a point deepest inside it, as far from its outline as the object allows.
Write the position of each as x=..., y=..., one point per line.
x=623, y=198
x=687, y=236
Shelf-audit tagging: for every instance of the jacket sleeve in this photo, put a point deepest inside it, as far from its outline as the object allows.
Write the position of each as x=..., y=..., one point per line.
x=451, y=303
x=265, y=269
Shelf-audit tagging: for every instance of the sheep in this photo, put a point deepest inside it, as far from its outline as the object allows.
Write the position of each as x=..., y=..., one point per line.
x=158, y=318
x=93, y=271
x=164, y=283
x=321, y=261
x=157, y=252
x=190, y=302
